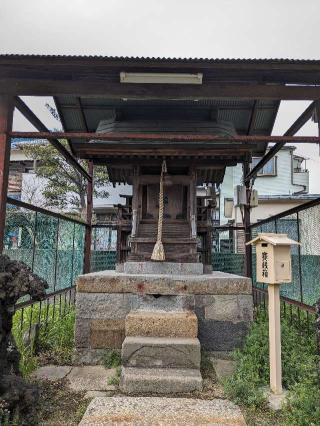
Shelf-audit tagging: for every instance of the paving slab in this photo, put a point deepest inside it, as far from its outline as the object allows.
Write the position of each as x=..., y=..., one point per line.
x=155, y=411
x=91, y=378
x=161, y=324
x=160, y=380
x=223, y=367
x=51, y=372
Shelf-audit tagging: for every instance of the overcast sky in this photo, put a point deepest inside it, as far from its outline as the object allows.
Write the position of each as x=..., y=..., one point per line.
x=172, y=28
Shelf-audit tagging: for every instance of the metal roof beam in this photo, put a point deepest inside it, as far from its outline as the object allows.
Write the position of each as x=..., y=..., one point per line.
x=296, y=126
x=99, y=88
x=34, y=120
x=177, y=137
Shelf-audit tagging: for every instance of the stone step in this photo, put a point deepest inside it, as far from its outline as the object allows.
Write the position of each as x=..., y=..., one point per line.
x=161, y=324
x=161, y=352
x=157, y=411
x=169, y=268
x=159, y=380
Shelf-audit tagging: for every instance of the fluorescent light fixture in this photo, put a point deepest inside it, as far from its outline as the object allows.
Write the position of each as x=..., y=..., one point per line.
x=160, y=78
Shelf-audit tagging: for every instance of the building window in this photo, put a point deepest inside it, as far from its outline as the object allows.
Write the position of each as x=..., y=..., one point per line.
x=269, y=169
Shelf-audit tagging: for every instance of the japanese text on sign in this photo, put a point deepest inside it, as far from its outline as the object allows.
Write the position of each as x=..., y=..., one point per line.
x=264, y=267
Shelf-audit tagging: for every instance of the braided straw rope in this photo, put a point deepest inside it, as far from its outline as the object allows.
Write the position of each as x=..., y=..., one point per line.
x=158, y=250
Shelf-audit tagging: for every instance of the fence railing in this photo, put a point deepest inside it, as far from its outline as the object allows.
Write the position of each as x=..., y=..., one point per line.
x=301, y=224
x=51, y=244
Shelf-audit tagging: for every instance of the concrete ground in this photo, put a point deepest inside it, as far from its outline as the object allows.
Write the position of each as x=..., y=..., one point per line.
x=107, y=409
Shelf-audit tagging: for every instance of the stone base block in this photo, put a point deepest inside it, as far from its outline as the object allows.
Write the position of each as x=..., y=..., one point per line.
x=161, y=352
x=168, y=268
x=160, y=381
x=161, y=324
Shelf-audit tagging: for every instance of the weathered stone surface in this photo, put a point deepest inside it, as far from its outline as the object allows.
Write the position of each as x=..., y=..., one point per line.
x=164, y=302
x=170, y=268
x=223, y=367
x=221, y=335
x=160, y=411
x=106, y=333
x=234, y=308
x=95, y=394
x=161, y=352
x=276, y=402
x=115, y=282
x=82, y=332
x=159, y=380
x=103, y=306
x=88, y=356
x=93, y=378
x=161, y=324
x=51, y=372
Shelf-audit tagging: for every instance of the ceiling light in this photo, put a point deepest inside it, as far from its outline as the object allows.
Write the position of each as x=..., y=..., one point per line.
x=160, y=78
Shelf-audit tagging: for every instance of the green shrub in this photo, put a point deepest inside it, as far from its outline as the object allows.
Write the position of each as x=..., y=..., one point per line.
x=299, y=362
x=303, y=408
x=112, y=359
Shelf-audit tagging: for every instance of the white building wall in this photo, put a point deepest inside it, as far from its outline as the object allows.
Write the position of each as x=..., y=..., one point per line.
x=284, y=183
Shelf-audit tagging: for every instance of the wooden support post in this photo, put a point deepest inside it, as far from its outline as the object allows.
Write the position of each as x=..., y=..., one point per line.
x=275, y=338
x=87, y=242
x=6, y=116
x=246, y=224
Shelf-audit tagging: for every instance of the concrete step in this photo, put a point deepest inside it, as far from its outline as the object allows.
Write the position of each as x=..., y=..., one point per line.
x=159, y=411
x=159, y=380
x=161, y=352
x=161, y=324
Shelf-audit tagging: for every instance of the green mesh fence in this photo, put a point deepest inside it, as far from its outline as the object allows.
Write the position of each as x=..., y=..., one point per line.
x=302, y=226
x=103, y=249
x=51, y=246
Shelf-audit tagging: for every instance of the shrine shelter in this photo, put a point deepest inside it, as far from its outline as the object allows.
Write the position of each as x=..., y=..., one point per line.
x=181, y=121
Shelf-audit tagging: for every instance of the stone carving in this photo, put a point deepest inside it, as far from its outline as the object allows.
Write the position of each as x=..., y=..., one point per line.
x=16, y=281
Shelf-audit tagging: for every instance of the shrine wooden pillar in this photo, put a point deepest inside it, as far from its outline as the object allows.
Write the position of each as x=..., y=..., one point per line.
x=6, y=116
x=246, y=224
x=88, y=232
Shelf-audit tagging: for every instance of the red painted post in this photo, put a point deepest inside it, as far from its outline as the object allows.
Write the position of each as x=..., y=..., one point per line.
x=246, y=223
x=87, y=242
x=6, y=115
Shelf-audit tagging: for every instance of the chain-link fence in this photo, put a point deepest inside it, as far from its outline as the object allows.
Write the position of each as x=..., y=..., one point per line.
x=103, y=248
x=301, y=224
x=228, y=250
x=50, y=244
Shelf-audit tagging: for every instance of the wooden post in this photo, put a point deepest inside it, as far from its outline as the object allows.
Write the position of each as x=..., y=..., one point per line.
x=275, y=338
x=6, y=115
x=87, y=242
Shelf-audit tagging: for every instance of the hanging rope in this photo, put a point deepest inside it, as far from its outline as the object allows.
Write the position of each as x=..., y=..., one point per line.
x=158, y=250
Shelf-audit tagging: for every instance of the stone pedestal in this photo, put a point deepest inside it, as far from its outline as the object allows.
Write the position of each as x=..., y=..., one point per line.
x=222, y=304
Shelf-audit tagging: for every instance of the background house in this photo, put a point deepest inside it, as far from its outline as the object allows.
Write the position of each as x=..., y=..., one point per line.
x=283, y=183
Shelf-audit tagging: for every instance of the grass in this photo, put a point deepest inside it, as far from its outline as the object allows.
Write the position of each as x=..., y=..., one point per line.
x=299, y=361
x=53, y=343
x=115, y=380
x=112, y=358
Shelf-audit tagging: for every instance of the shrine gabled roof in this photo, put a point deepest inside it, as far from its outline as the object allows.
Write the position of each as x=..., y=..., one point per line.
x=247, y=116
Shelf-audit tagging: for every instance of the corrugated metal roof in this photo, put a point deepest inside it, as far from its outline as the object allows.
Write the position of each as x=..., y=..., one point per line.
x=163, y=59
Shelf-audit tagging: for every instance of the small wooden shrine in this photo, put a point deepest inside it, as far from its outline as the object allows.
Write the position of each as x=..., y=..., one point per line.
x=177, y=218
